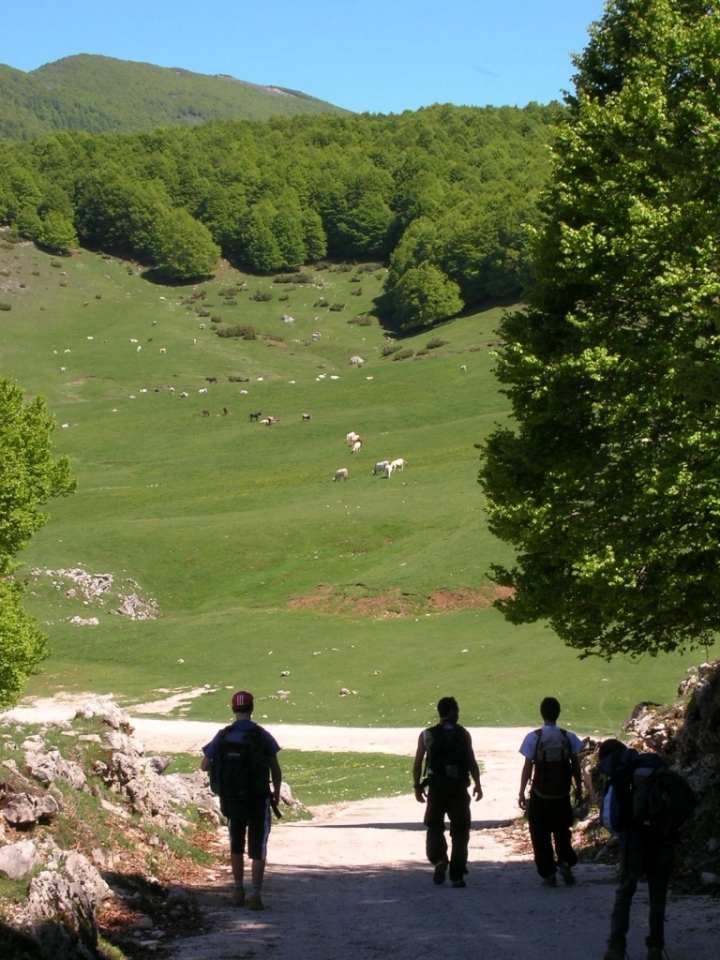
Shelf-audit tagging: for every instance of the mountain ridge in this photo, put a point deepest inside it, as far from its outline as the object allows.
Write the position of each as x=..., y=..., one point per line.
x=99, y=94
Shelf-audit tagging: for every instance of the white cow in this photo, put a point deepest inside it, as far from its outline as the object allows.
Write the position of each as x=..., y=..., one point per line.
x=351, y=438
x=202, y=390
x=388, y=470
x=380, y=467
x=357, y=446
x=341, y=474
x=399, y=464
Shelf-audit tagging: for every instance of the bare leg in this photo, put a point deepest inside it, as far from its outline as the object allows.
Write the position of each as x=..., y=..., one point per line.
x=258, y=871
x=236, y=861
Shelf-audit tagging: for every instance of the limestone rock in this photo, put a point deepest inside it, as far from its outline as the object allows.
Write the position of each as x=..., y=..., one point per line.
x=18, y=859
x=59, y=915
x=23, y=809
x=51, y=766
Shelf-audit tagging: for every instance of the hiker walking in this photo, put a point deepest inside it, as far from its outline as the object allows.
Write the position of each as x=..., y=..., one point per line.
x=646, y=804
x=551, y=759
x=449, y=765
x=241, y=760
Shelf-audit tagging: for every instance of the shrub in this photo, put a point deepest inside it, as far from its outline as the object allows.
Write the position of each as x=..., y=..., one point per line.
x=216, y=318
x=356, y=279
x=229, y=292
x=4, y=273
x=4, y=305
x=283, y=296
x=36, y=273
x=300, y=276
x=390, y=348
x=356, y=293
x=98, y=296
x=404, y=354
x=323, y=265
x=474, y=348
x=55, y=264
x=361, y=321
x=261, y=296
x=337, y=307
x=63, y=283
x=321, y=302
x=231, y=303
x=202, y=313
x=274, y=337
x=243, y=331
x=130, y=270
x=435, y=342
x=369, y=268
x=344, y=267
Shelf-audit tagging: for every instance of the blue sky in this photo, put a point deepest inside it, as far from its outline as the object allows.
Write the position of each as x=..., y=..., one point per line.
x=377, y=55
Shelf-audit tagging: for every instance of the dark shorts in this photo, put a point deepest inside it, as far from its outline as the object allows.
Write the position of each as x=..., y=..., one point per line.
x=257, y=829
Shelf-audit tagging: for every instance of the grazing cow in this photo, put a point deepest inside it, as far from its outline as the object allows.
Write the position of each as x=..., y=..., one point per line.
x=206, y=413
x=267, y=422
x=202, y=390
x=380, y=467
x=388, y=470
x=86, y=303
x=194, y=341
x=202, y=326
x=171, y=389
x=183, y=394
x=150, y=340
x=351, y=438
x=357, y=446
x=399, y=464
x=341, y=474
x=162, y=350
x=225, y=411
x=211, y=379
x=63, y=369
x=463, y=368
x=306, y=416
x=138, y=349
x=273, y=419
x=154, y=323
x=256, y=416
x=133, y=340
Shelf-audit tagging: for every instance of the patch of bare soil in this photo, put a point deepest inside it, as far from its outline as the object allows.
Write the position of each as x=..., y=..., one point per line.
x=361, y=602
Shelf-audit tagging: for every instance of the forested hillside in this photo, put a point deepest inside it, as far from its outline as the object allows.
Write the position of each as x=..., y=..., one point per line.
x=444, y=194
x=103, y=95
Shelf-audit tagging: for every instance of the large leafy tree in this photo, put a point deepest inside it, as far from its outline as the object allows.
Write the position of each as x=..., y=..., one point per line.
x=609, y=486
x=29, y=477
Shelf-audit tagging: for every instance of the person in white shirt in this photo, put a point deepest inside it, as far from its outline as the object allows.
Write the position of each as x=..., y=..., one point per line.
x=551, y=760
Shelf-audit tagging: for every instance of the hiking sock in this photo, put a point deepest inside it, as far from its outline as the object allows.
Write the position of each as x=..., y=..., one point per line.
x=255, y=890
x=238, y=885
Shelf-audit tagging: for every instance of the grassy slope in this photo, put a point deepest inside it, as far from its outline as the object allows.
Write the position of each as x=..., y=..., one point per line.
x=222, y=520
x=105, y=95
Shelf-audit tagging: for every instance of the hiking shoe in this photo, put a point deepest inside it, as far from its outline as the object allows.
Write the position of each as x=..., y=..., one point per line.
x=612, y=953
x=439, y=872
x=567, y=874
x=459, y=884
x=254, y=902
x=655, y=953
x=550, y=881
x=238, y=898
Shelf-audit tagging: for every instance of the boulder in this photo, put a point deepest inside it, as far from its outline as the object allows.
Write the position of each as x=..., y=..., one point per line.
x=23, y=809
x=58, y=914
x=51, y=766
x=18, y=859
x=79, y=870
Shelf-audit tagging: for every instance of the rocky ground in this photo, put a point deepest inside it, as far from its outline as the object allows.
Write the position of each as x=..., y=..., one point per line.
x=106, y=855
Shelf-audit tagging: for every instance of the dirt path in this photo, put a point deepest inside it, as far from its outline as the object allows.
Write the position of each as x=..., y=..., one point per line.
x=354, y=883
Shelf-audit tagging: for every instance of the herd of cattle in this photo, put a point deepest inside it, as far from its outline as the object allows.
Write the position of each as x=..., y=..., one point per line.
x=383, y=468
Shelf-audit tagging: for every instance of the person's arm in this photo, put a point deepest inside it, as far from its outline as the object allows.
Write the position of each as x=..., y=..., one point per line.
x=417, y=769
x=474, y=769
x=204, y=764
x=276, y=774
x=577, y=777
x=524, y=780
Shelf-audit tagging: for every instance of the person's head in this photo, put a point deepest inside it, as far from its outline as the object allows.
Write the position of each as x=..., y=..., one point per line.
x=609, y=746
x=446, y=707
x=550, y=709
x=242, y=702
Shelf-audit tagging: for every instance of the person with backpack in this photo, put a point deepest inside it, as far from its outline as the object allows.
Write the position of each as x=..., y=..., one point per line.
x=241, y=760
x=450, y=762
x=645, y=803
x=551, y=761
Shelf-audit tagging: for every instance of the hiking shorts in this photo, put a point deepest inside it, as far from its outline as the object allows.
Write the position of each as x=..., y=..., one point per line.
x=257, y=829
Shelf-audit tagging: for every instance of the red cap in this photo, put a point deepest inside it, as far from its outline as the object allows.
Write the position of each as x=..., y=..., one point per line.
x=242, y=701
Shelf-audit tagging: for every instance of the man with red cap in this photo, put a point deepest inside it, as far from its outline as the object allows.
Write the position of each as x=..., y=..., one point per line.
x=244, y=758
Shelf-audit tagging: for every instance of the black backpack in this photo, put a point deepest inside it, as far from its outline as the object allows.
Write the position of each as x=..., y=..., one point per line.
x=552, y=768
x=662, y=799
x=447, y=755
x=240, y=773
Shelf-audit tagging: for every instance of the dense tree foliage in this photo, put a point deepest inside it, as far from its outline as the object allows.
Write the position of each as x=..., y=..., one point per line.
x=609, y=488
x=103, y=95
x=450, y=188
x=29, y=477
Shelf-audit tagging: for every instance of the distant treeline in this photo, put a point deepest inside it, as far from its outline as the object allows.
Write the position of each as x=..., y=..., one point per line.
x=443, y=194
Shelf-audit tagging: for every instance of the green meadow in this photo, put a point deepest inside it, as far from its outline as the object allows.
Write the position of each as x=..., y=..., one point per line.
x=267, y=574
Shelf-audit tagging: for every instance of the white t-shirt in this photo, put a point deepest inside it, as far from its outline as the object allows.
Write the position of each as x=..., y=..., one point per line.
x=549, y=732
